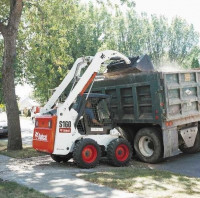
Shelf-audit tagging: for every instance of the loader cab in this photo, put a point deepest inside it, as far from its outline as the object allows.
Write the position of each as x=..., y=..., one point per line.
x=100, y=106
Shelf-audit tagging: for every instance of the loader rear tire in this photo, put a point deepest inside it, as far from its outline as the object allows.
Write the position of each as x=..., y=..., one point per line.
x=86, y=153
x=119, y=152
x=61, y=158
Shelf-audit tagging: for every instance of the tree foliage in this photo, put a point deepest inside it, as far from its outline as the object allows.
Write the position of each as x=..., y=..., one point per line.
x=195, y=63
x=182, y=39
x=46, y=54
x=59, y=33
x=56, y=33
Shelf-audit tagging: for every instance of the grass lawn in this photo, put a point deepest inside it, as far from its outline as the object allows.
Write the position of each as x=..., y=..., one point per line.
x=20, y=154
x=12, y=189
x=3, y=145
x=147, y=182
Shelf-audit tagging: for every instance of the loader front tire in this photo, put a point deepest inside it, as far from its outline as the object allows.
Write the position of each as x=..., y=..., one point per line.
x=86, y=153
x=119, y=152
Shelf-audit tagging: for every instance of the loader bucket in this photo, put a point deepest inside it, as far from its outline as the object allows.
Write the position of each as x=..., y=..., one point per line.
x=138, y=64
x=144, y=64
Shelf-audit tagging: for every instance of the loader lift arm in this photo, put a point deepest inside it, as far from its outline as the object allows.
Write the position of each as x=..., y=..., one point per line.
x=79, y=64
x=83, y=83
x=90, y=74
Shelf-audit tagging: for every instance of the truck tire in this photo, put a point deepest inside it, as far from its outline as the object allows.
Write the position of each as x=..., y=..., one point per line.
x=193, y=149
x=148, y=145
x=61, y=158
x=86, y=153
x=119, y=152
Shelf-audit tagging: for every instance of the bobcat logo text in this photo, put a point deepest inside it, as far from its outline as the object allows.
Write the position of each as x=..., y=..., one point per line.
x=65, y=126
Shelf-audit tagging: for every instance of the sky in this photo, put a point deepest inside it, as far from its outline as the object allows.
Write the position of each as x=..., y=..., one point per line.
x=187, y=9
x=23, y=91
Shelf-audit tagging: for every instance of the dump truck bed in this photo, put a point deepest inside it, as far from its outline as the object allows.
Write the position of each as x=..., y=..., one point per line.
x=152, y=97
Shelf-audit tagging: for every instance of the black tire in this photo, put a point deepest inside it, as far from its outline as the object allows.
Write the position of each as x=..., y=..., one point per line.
x=62, y=158
x=148, y=145
x=86, y=153
x=119, y=152
x=193, y=149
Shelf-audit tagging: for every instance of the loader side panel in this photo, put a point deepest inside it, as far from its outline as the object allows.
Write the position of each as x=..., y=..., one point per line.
x=44, y=133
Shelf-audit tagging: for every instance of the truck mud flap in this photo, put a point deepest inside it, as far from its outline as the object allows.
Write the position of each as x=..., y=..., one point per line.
x=170, y=142
x=189, y=135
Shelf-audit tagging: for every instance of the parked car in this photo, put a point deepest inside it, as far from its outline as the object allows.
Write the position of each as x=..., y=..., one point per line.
x=3, y=128
x=3, y=125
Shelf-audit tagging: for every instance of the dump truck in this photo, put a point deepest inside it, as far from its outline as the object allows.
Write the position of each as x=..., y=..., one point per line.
x=158, y=112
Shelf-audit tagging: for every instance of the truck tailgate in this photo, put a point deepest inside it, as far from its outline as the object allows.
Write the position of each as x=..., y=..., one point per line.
x=182, y=94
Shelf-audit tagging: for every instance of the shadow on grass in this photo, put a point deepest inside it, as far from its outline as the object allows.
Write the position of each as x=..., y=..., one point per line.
x=145, y=181
x=12, y=189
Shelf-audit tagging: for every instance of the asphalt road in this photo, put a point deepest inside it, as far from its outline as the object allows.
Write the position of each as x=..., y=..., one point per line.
x=185, y=164
x=27, y=130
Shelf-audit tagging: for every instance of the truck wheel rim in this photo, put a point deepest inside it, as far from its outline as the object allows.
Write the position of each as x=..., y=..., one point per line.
x=122, y=152
x=89, y=154
x=146, y=146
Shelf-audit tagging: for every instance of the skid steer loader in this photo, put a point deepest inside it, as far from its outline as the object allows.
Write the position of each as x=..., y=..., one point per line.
x=67, y=132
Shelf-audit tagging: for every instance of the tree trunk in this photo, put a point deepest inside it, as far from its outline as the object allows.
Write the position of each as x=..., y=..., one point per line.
x=9, y=33
x=14, y=132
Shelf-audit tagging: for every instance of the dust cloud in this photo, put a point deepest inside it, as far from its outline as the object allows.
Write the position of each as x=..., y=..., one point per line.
x=170, y=67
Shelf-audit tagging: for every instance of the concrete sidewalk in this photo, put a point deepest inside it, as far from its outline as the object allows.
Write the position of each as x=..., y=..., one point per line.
x=55, y=180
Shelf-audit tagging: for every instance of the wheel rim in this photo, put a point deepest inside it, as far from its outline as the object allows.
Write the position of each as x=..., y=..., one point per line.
x=146, y=146
x=122, y=152
x=89, y=154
